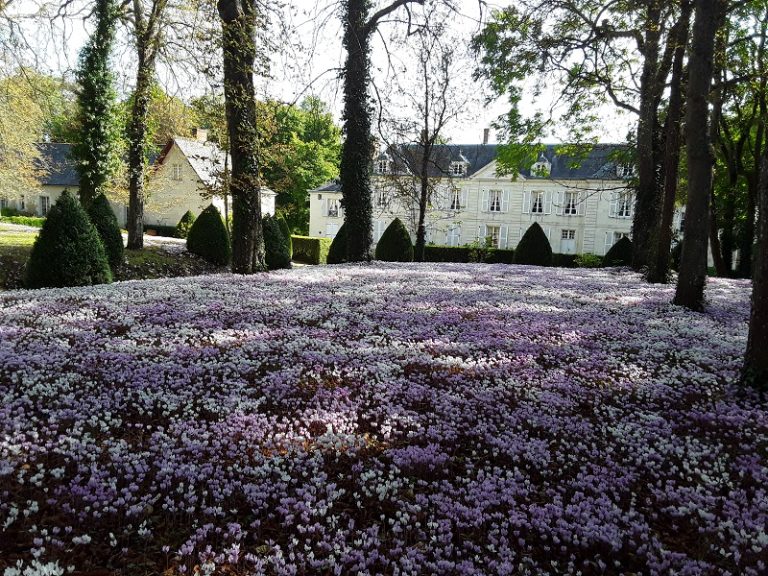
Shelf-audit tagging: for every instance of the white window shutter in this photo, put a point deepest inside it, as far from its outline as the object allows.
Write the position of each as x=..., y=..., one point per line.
x=608, y=244
x=503, y=234
x=580, y=200
x=631, y=201
x=549, y=234
x=325, y=207
x=559, y=201
x=505, y=201
x=527, y=202
x=485, y=204
x=548, y=202
x=614, y=210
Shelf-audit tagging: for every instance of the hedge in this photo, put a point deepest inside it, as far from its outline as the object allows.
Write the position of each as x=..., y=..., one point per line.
x=464, y=254
x=24, y=220
x=620, y=254
x=564, y=260
x=156, y=230
x=184, y=225
x=310, y=250
x=276, y=253
x=208, y=238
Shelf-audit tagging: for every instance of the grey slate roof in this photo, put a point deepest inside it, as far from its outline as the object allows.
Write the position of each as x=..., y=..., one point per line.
x=597, y=164
x=57, y=168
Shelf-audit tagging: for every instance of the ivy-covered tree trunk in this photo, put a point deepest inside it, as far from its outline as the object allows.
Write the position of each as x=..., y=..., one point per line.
x=693, y=259
x=756, y=359
x=659, y=265
x=147, y=32
x=357, y=149
x=137, y=135
x=647, y=200
x=95, y=151
x=239, y=46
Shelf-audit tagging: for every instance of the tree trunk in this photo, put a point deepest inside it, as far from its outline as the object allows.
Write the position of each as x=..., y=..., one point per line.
x=357, y=149
x=693, y=260
x=756, y=358
x=659, y=265
x=137, y=134
x=421, y=232
x=714, y=239
x=648, y=189
x=239, y=26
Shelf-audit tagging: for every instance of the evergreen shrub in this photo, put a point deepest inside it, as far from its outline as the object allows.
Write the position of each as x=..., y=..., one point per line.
x=337, y=253
x=395, y=244
x=534, y=248
x=286, y=235
x=184, y=225
x=588, y=261
x=275, y=247
x=103, y=218
x=208, y=237
x=620, y=254
x=68, y=250
x=310, y=250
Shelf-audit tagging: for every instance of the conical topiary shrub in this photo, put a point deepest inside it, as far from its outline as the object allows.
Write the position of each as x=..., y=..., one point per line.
x=275, y=247
x=337, y=253
x=395, y=244
x=620, y=254
x=105, y=221
x=286, y=234
x=208, y=237
x=184, y=225
x=534, y=248
x=68, y=250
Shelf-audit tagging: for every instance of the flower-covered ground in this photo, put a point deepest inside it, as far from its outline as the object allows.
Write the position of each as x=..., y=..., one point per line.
x=380, y=419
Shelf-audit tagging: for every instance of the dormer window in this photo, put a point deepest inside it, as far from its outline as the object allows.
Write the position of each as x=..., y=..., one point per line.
x=541, y=167
x=382, y=166
x=625, y=170
x=458, y=169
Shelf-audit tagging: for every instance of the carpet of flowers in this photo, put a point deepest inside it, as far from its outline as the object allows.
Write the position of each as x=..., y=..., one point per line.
x=380, y=419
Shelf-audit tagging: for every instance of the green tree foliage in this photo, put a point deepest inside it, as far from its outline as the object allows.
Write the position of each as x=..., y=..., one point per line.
x=97, y=148
x=68, y=251
x=337, y=253
x=620, y=254
x=184, y=225
x=534, y=248
x=208, y=237
x=32, y=109
x=103, y=218
x=286, y=234
x=275, y=245
x=395, y=244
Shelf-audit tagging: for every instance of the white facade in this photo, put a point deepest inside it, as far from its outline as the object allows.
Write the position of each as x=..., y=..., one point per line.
x=586, y=215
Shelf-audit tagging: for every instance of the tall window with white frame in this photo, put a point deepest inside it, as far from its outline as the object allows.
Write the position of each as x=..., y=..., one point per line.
x=492, y=235
x=571, y=203
x=537, y=202
x=382, y=166
x=45, y=205
x=456, y=199
x=22, y=203
x=177, y=172
x=333, y=208
x=494, y=198
x=381, y=199
x=624, y=209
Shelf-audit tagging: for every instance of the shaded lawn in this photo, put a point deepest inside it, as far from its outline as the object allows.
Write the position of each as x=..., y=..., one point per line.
x=152, y=262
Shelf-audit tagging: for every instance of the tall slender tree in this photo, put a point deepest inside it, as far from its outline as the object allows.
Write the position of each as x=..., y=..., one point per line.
x=96, y=151
x=147, y=32
x=240, y=19
x=693, y=259
x=357, y=151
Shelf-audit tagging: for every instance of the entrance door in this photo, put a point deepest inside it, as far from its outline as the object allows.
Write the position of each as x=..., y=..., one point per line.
x=568, y=242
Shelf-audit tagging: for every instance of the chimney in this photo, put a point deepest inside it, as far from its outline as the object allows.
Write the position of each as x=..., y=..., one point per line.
x=200, y=134
x=486, y=135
